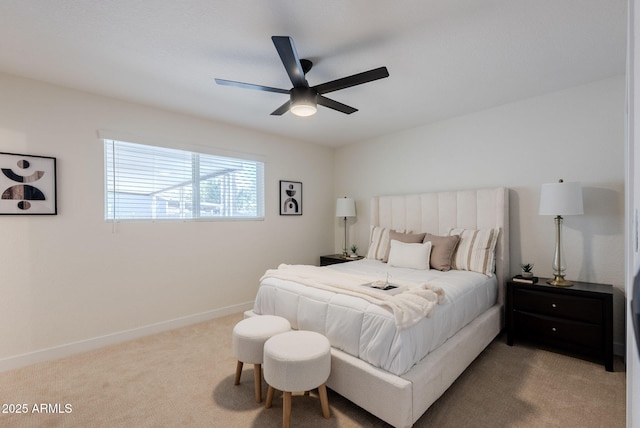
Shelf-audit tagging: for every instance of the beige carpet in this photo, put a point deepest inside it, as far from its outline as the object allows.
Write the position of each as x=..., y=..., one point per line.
x=184, y=378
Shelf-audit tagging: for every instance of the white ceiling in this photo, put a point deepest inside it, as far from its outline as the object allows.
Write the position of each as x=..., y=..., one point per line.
x=445, y=57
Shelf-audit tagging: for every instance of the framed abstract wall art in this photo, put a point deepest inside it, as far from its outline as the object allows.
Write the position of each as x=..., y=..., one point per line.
x=290, y=197
x=27, y=185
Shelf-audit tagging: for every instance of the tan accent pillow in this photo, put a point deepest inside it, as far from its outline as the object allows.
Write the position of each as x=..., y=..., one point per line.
x=442, y=250
x=409, y=238
x=477, y=250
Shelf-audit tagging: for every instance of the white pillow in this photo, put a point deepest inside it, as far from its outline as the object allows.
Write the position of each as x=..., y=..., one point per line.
x=476, y=251
x=413, y=256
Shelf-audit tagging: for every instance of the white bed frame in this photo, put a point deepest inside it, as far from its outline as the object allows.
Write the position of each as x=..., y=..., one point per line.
x=401, y=400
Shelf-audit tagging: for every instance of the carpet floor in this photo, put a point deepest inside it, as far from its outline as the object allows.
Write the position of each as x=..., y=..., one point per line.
x=184, y=378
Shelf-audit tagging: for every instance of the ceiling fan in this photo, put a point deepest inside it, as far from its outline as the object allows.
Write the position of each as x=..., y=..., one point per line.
x=303, y=98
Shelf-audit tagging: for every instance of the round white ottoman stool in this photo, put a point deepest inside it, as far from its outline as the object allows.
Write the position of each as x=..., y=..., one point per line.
x=297, y=361
x=249, y=336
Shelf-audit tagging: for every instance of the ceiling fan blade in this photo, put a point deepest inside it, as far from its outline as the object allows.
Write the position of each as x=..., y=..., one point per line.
x=251, y=86
x=327, y=102
x=356, y=79
x=289, y=57
x=281, y=110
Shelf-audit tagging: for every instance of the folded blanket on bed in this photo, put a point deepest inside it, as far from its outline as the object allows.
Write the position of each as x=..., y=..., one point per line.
x=408, y=307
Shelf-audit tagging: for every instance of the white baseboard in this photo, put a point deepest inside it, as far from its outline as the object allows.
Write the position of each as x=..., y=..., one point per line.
x=67, y=349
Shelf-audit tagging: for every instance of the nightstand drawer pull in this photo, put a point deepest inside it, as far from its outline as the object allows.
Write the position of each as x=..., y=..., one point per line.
x=553, y=305
x=553, y=329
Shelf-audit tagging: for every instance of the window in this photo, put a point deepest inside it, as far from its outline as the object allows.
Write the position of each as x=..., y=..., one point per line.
x=148, y=183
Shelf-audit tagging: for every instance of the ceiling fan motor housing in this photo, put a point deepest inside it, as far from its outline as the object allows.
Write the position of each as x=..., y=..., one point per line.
x=303, y=101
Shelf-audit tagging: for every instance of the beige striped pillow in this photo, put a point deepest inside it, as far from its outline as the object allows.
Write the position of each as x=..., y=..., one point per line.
x=476, y=251
x=379, y=243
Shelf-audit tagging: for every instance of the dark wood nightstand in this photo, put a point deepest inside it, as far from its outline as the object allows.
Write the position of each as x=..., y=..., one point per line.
x=332, y=259
x=577, y=319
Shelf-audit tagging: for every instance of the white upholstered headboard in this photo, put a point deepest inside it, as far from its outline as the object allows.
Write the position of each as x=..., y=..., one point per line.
x=437, y=212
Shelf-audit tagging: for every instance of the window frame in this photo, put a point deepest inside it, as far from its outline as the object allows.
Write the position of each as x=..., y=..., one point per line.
x=195, y=182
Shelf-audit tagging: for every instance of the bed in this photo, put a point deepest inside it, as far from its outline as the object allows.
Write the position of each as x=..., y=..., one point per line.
x=407, y=366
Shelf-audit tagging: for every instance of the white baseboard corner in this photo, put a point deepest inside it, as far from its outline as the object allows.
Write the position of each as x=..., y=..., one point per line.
x=61, y=351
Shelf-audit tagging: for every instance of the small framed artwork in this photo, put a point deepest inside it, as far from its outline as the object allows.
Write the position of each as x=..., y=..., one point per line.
x=27, y=185
x=290, y=197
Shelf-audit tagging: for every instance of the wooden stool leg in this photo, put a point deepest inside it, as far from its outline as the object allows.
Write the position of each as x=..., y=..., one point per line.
x=286, y=409
x=270, y=392
x=324, y=401
x=257, y=381
x=238, y=373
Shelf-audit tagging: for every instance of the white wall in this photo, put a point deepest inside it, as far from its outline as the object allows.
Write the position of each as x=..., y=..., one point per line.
x=576, y=134
x=72, y=278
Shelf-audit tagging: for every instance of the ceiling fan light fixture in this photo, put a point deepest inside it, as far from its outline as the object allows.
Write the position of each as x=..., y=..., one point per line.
x=303, y=102
x=303, y=110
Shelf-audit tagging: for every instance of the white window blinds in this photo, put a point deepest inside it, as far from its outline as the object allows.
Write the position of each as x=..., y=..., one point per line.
x=148, y=183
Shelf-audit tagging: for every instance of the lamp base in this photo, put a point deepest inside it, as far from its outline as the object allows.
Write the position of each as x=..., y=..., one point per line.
x=345, y=255
x=559, y=281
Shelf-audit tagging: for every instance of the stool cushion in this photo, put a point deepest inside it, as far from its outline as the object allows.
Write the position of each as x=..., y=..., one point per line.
x=297, y=361
x=249, y=336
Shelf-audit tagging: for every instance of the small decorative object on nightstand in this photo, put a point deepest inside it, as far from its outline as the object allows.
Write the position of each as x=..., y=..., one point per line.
x=354, y=251
x=527, y=280
x=576, y=319
x=527, y=270
x=332, y=259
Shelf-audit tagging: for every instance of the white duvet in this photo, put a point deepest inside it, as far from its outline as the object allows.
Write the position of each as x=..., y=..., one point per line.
x=368, y=331
x=410, y=302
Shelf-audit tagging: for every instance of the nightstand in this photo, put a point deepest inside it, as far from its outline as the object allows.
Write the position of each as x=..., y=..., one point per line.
x=332, y=259
x=577, y=319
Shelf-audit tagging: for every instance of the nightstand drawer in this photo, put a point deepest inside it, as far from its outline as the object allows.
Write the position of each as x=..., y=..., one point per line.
x=326, y=261
x=554, y=304
x=562, y=330
x=333, y=259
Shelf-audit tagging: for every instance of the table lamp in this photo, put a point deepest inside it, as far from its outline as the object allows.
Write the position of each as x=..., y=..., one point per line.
x=345, y=207
x=560, y=199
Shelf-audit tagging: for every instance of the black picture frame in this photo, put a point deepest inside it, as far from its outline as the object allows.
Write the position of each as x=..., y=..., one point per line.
x=290, y=197
x=27, y=185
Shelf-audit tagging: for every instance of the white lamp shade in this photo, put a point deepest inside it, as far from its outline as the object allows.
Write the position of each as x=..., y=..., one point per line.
x=345, y=207
x=561, y=199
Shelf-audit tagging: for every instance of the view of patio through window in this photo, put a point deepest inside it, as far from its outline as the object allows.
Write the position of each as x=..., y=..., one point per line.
x=149, y=182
